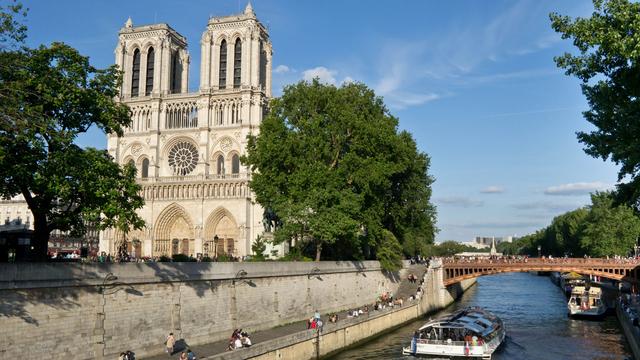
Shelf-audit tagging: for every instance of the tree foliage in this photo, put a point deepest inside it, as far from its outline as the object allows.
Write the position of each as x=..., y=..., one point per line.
x=331, y=164
x=50, y=95
x=608, y=64
x=601, y=229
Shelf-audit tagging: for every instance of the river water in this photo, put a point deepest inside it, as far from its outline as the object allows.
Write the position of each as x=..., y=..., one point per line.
x=534, y=312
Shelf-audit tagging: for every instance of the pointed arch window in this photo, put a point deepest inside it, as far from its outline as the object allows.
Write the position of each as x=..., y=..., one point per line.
x=220, y=165
x=235, y=164
x=150, y=62
x=145, y=168
x=237, y=63
x=263, y=65
x=223, y=65
x=135, y=73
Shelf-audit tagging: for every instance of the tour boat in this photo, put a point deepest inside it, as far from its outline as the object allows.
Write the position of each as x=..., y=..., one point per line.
x=586, y=301
x=570, y=280
x=470, y=333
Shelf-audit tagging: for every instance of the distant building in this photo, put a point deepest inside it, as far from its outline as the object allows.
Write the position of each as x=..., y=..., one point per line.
x=17, y=220
x=487, y=240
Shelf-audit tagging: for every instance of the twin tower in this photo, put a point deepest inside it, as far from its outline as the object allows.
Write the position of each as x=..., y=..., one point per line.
x=186, y=146
x=236, y=53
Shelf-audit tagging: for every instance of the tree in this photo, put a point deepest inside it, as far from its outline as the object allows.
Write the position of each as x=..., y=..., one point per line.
x=609, y=230
x=608, y=64
x=50, y=95
x=331, y=164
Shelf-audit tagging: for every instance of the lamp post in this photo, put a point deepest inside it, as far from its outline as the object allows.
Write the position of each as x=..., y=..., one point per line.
x=215, y=244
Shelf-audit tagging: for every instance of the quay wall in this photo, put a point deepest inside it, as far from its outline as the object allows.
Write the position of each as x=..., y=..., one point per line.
x=310, y=344
x=88, y=311
x=631, y=332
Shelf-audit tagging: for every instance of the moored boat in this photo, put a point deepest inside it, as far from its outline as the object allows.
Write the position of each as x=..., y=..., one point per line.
x=471, y=333
x=586, y=301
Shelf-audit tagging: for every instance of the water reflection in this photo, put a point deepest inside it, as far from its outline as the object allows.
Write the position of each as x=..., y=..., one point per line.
x=535, y=315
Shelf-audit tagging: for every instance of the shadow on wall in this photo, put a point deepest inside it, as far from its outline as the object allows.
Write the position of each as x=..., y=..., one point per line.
x=61, y=285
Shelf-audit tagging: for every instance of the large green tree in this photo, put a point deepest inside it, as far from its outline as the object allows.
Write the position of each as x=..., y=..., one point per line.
x=330, y=162
x=609, y=229
x=50, y=95
x=608, y=64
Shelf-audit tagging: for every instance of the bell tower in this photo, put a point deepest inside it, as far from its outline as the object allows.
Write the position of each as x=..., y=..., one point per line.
x=236, y=54
x=154, y=59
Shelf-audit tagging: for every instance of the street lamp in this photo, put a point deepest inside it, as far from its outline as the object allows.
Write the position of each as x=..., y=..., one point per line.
x=215, y=244
x=539, y=251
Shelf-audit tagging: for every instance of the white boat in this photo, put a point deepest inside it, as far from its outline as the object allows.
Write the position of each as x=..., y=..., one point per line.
x=470, y=333
x=586, y=301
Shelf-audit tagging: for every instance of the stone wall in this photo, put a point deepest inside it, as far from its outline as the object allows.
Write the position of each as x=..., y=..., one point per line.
x=62, y=311
x=309, y=344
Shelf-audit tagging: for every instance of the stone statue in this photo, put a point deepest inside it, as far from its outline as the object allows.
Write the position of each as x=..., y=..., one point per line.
x=270, y=220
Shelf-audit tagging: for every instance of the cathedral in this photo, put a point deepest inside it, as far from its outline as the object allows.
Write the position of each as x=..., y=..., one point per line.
x=186, y=146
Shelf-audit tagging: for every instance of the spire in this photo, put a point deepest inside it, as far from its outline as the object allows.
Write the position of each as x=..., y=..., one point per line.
x=493, y=250
x=129, y=23
x=249, y=9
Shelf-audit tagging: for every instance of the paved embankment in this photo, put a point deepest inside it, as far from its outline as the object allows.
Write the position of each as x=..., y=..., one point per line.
x=94, y=311
x=293, y=342
x=626, y=315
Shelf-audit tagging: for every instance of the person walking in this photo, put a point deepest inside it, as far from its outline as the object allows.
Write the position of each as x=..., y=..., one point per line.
x=170, y=343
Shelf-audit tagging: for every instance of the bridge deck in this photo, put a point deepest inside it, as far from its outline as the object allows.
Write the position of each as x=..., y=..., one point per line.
x=456, y=270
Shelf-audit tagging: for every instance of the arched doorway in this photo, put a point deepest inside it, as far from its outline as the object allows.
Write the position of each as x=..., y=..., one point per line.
x=174, y=233
x=221, y=234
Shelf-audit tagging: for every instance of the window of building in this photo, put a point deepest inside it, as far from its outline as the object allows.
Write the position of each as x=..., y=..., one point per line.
x=223, y=65
x=150, y=62
x=235, y=164
x=176, y=73
x=220, y=165
x=145, y=168
x=135, y=73
x=183, y=158
x=237, y=63
x=263, y=66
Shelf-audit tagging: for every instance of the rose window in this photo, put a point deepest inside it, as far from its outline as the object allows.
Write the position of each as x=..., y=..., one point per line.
x=183, y=158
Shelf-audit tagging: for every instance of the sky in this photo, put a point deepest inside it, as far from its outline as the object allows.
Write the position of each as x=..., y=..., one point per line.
x=473, y=81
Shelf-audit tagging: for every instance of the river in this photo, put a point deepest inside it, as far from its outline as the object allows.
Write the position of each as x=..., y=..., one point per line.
x=535, y=314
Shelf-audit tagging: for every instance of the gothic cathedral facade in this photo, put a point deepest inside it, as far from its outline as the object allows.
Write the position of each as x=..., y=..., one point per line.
x=186, y=146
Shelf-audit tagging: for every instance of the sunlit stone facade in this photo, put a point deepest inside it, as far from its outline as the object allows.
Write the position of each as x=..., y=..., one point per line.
x=186, y=145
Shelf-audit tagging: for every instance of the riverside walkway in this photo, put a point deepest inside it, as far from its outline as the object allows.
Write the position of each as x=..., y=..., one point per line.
x=218, y=348
x=458, y=269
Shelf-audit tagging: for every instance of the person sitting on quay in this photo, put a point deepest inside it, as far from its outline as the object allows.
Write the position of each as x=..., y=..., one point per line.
x=246, y=340
x=333, y=318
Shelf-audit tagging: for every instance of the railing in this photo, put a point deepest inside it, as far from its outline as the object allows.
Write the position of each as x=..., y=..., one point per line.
x=539, y=261
x=191, y=178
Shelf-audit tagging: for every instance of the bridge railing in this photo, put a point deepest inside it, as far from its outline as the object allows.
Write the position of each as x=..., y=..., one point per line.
x=540, y=261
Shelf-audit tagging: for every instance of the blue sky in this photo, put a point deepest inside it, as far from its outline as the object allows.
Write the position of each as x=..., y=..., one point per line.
x=473, y=81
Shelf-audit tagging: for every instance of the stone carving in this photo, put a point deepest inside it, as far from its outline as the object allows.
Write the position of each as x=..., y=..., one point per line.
x=148, y=141
x=226, y=144
x=136, y=149
x=237, y=134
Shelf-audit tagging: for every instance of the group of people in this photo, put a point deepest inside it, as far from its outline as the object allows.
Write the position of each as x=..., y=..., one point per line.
x=127, y=355
x=238, y=340
x=315, y=322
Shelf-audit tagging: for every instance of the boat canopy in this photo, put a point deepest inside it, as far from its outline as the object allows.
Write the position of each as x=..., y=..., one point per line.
x=474, y=319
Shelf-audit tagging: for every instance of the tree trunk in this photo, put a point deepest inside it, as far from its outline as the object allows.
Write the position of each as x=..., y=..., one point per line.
x=318, y=250
x=40, y=236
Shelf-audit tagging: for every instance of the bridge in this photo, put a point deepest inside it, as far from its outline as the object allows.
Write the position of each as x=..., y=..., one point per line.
x=456, y=270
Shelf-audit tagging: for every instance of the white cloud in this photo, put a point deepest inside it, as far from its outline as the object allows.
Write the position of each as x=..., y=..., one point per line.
x=492, y=190
x=459, y=201
x=322, y=73
x=348, y=80
x=547, y=206
x=281, y=69
x=581, y=188
x=500, y=225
